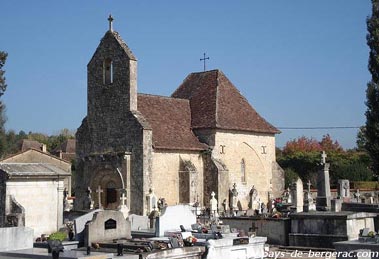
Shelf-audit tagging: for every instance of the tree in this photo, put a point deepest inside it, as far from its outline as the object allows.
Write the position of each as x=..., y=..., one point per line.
x=3, y=87
x=372, y=92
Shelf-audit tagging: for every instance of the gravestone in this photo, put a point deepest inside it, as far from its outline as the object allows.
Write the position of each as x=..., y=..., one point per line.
x=88, y=202
x=234, y=198
x=297, y=191
x=106, y=226
x=344, y=189
x=213, y=203
x=122, y=207
x=99, y=191
x=80, y=223
x=308, y=199
x=174, y=216
x=138, y=222
x=323, y=186
x=151, y=201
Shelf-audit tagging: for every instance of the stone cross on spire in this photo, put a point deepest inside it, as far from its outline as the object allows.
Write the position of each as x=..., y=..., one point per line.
x=110, y=19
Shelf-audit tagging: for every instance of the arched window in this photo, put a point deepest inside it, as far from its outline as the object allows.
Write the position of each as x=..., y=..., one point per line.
x=108, y=71
x=243, y=171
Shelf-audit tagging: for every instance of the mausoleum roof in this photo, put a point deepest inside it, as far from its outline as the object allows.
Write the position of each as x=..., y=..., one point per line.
x=32, y=170
x=170, y=120
x=216, y=103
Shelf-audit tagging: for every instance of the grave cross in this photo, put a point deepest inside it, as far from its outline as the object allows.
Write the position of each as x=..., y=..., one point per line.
x=323, y=158
x=204, y=59
x=110, y=19
x=99, y=191
x=123, y=199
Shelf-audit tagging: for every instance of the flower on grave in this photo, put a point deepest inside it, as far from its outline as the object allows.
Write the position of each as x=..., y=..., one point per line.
x=371, y=234
x=191, y=239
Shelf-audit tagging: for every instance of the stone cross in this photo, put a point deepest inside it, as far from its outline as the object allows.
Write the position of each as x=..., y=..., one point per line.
x=323, y=158
x=123, y=199
x=204, y=59
x=99, y=191
x=110, y=19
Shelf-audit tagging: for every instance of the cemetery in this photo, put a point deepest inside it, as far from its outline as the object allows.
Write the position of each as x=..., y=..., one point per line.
x=219, y=231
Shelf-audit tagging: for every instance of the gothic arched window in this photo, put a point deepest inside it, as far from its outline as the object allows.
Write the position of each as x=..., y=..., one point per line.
x=108, y=71
x=243, y=171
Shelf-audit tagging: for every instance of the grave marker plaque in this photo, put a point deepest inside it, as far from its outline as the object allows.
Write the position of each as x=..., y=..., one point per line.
x=110, y=224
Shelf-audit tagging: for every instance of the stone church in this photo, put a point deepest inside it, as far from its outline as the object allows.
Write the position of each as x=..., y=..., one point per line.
x=205, y=137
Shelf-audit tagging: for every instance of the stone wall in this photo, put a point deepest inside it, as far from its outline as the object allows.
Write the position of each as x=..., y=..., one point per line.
x=258, y=152
x=169, y=170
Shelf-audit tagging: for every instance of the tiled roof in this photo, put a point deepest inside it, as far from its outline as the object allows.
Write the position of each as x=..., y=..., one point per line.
x=28, y=144
x=216, y=103
x=67, y=147
x=170, y=120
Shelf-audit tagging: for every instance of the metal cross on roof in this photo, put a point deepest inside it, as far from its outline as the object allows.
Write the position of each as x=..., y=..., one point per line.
x=204, y=59
x=110, y=19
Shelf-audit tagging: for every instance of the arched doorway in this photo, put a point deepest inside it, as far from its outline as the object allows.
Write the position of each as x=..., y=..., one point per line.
x=110, y=186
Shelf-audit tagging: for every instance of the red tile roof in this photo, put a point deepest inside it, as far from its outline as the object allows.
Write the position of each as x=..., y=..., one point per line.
x=216, y=103
x=170, y=119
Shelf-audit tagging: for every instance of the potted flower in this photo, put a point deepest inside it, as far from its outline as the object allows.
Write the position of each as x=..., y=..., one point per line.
x=190, y=241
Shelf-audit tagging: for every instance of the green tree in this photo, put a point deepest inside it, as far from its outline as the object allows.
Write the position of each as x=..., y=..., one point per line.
x=372, y=92
x=3, y=87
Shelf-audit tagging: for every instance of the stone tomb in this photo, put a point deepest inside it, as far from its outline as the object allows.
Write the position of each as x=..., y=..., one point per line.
x=236, y=248
x=106, y=226
x=80, y=224
x=321, y=229
x=174, y=216
x=139, y=223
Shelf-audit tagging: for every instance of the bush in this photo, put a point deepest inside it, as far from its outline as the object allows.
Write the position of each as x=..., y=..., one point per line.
x=58, y=236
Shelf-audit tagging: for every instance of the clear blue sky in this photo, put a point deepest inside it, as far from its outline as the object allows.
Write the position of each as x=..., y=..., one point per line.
x=300, y=63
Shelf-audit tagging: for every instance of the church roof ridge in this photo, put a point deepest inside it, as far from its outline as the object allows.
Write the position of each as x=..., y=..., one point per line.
x=163, y=97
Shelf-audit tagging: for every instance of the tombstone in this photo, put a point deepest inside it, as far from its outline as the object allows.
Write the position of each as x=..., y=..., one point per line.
x=88, y=202
x=174, y=216
x=297, y=191
x=213, y=203
x=287, y=196
x=80, y=223
x=225, y=207
x=234, y=198
x=253, y=196
x=106, y=226
x=138, y=223
x=308, y=199
x=122, y=207
x=323, y=186
x=151, y=201
x=336, y=205
x=357, y=196
x=99, y=191
x=344, y=190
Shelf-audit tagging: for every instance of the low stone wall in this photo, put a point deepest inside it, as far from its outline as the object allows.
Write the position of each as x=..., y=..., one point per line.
x=16, y=238
x=276, y=230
